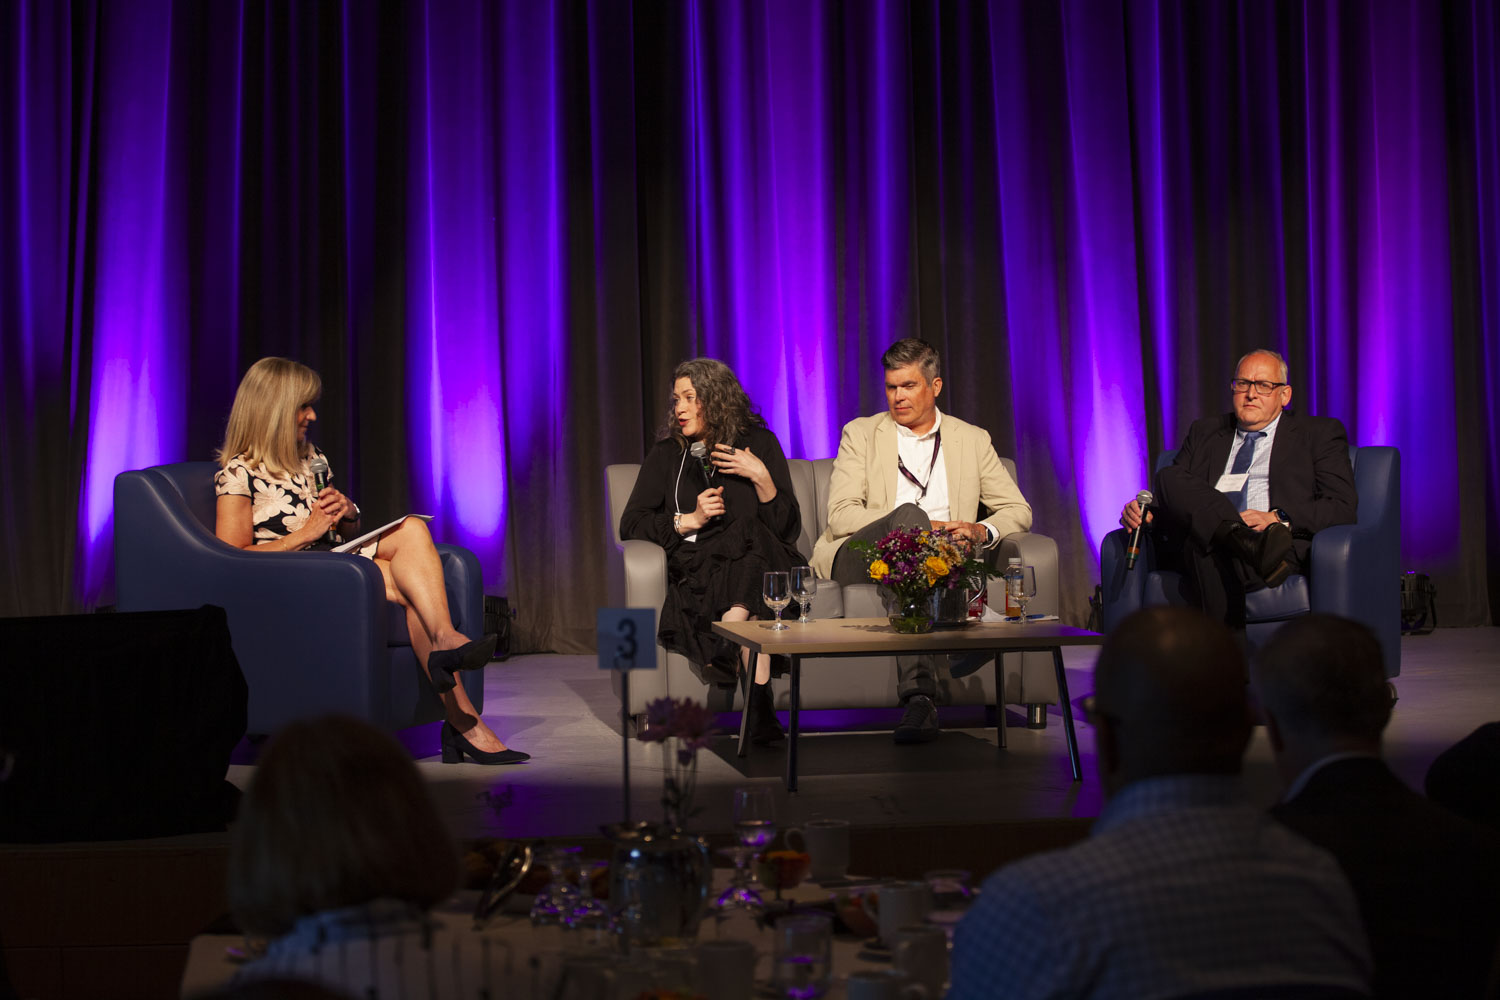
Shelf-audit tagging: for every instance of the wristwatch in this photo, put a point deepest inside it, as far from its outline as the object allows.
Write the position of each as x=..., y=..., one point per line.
x=677, y=523
x=1281, y=516
x=354, y=516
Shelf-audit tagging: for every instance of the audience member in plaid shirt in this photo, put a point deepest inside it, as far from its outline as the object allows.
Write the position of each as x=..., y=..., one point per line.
x=1183, y=887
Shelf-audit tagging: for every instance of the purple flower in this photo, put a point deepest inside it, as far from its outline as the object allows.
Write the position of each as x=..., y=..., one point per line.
x=693, y=724
x=659, y=721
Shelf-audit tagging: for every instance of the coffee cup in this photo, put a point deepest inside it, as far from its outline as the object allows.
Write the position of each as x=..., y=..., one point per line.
x=826, y=841
x=920, y=952
x=901, y=904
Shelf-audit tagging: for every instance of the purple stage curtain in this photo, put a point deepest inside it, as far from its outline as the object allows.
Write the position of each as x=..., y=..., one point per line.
x=494, y=227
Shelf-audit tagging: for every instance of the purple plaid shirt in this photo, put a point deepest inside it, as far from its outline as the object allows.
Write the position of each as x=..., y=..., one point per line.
x=1182, y=887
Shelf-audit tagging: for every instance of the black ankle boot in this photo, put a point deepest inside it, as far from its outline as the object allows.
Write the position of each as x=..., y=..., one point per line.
x=763, y=725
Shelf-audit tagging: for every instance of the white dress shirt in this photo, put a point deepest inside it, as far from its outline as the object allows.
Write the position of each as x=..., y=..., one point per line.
x=1258, y=486
x=915, y=452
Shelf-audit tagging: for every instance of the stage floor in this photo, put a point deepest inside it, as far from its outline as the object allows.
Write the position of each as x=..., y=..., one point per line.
x=561, y=710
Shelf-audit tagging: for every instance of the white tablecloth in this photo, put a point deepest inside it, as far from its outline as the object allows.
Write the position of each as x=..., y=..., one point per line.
x=523, y=961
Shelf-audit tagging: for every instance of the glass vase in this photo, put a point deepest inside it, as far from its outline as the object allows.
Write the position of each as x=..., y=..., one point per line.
x=910, y=615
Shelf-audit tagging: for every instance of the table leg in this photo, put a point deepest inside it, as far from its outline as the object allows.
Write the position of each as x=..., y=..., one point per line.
x=743, y=749
x=793, y=724
x=1066, y=704
x=1000, y=697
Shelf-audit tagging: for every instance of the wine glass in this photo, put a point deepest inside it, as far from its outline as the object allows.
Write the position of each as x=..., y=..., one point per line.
x=1022, y=584
x=804, y=588
x=754, y=817
x=754, y=812
x=590, y=921
x=776, y=588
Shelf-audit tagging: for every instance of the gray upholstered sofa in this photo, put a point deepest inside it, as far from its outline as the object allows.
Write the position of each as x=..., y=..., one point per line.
x=637, y=574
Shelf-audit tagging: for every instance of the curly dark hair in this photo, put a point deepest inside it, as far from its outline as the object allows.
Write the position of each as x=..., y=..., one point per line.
x=727, y=410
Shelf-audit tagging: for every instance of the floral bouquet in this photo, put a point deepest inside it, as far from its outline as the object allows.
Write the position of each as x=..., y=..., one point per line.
x=692, y=725
x=916, y=563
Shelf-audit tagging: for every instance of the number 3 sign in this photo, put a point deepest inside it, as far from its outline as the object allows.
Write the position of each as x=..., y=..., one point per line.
x=626, y=638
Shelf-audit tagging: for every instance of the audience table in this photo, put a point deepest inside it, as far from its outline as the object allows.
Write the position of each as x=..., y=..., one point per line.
x=527, y=959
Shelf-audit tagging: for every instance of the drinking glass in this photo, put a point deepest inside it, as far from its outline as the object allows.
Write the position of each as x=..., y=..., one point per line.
x=592, y=926
x=804, y=588
x=754, y=811
x=951, y=896
x=777, y=591
x=803, y=955
x=1022, y=588
x=553, y=906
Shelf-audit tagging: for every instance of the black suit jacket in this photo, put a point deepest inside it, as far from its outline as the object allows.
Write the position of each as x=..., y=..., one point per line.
x=1310, y=477
x=1428, y=881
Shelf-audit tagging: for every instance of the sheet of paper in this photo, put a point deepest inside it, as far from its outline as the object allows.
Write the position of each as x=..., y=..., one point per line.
x=350, y=546
x=1230, y=483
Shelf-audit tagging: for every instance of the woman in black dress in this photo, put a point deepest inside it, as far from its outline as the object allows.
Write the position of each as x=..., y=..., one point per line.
x=724, y=521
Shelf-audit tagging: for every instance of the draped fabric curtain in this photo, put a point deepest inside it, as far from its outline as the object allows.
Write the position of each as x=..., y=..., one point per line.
x=494, y=227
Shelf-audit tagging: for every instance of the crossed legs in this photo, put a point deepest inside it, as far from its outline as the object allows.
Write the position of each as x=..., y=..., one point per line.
x=413, y=574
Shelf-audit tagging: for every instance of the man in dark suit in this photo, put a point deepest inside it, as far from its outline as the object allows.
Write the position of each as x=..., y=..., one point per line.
x=1427, y=880
x=1240, y=503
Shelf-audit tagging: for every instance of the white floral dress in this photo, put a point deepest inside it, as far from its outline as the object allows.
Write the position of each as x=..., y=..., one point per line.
x=278, y=506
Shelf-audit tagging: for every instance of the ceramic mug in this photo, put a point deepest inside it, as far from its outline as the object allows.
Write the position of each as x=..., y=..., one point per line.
x=920, y=952
x=901, y=904
x=826, y=841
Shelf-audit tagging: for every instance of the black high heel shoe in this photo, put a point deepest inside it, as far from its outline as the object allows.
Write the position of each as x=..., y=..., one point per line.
x=456, y=745
x=443, y=664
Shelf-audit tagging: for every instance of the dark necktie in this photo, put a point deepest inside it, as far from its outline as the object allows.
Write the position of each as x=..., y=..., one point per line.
x=1241, y=466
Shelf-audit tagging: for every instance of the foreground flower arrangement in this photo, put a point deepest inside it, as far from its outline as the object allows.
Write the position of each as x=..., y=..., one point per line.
x=692, y=725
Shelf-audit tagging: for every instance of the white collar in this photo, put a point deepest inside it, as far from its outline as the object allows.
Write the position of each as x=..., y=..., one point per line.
x=1269, y=430
x=909, y=433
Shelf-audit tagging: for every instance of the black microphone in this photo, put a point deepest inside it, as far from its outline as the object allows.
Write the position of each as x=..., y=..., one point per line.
x=700, y=452
x=319, y=469
x=1143, y=499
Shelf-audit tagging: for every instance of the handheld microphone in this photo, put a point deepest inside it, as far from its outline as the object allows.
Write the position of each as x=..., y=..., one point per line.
x=319, y=469
x=700, y=452
x=1143, y=500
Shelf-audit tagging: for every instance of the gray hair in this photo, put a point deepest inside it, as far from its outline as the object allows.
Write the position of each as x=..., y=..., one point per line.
x=911, y=351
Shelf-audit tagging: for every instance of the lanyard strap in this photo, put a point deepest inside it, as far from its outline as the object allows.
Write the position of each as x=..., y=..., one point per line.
x=937, y=442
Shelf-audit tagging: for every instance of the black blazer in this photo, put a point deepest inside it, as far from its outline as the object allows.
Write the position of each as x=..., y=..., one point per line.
x=1310, y=478
x=1427, y=881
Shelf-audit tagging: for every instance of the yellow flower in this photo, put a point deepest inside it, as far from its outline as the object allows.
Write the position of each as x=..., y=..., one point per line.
x=936, y=568
x=879, y=570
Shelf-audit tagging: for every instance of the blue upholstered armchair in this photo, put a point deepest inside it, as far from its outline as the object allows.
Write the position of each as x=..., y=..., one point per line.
x=1355, y=569
x=312, y=631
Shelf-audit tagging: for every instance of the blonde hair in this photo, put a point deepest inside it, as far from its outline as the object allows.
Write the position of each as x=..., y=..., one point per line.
x=263, y=421
x=335, y=816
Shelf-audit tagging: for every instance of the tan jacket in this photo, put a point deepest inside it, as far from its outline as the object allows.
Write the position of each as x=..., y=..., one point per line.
x=863, y=485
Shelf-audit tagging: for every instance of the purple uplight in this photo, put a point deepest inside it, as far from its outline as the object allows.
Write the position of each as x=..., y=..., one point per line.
x=762, y=173
x=136, y=381
x=452, y=296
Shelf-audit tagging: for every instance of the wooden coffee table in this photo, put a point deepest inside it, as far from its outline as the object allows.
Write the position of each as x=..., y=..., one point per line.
x=862, y=636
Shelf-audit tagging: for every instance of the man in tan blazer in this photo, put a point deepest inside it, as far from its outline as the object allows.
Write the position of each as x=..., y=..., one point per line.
x=914, y=466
